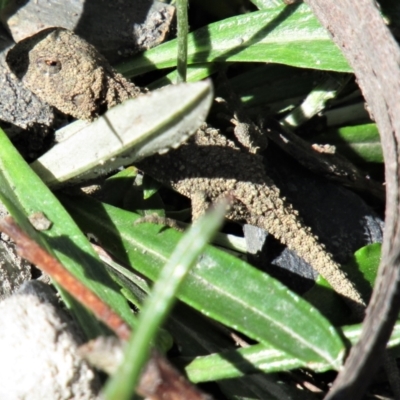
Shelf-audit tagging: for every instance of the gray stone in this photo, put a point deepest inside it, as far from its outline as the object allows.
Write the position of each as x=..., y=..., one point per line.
x=39, y=349
x=19, y=108
x=116, y=28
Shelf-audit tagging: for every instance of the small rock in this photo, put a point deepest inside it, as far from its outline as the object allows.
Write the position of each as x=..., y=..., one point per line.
x=39, y=350
x=116, y=29
x=19, y=108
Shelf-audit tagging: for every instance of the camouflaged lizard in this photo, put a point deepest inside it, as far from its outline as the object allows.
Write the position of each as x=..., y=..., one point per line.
x=213, y=166
x=69, y=74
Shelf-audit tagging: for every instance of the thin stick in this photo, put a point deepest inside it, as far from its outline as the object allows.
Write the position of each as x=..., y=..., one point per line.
x=374, y=55
x=30, y=250
x=159, y=380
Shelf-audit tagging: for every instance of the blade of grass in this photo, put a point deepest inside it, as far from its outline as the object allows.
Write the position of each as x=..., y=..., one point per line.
x=360, y=143
x=194, y=73
x=126, y=133
x=284, y=35
x=183, y=29
x=23, y=193
x=4, y=3
x=316, y=100
x=266, y=4
x=159, y=303
x=256, y=358
x=220, y=286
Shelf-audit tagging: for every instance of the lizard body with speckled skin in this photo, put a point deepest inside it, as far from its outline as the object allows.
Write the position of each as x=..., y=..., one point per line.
x=213, y=165
x=70, y=74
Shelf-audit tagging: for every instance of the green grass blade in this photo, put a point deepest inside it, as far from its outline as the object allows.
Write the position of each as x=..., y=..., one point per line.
x=194, y=73
x=220, y=286
x=132, y=130
x=160, y=301
x=360, y=143
x=183, y=29
x=24, y=193
x=256, y=358
x=284, y=35
x=316, y=100
x=266, y=4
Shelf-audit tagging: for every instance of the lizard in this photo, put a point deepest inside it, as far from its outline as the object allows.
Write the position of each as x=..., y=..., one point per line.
x=210, y=166
x=81, y=83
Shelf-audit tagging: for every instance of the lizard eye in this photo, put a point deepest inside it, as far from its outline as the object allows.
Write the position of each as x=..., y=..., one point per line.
x=48, y=66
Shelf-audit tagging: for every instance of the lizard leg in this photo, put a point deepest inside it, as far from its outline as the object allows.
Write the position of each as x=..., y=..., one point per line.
x=200, y=204
x=156, y=219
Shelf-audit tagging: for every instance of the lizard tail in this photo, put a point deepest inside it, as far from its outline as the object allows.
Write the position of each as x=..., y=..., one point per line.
x=291, y=231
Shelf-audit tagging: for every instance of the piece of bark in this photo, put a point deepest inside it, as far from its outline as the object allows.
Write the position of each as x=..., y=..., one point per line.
x=38, y=346
x=360, y=31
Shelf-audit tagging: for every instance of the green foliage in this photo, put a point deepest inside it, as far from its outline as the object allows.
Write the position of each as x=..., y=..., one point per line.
x=284, y=35
x=158, y=305
x=360, y=143
x=281, y=56
x=4, y=4
x=24, y=193
x=244, y=299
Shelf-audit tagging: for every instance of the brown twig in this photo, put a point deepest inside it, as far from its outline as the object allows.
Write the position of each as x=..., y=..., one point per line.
x=159, y=379
x=31, y=251
x=359, y=30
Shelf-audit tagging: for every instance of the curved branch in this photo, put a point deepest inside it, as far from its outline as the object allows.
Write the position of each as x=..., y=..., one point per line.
x=359, y=30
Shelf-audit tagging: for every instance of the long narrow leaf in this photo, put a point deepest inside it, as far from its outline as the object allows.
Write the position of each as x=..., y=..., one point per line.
x=160, y=301
x=220, y=286
x=135, y=129
x=237, y=363
x=23, y=193
x=284, y=35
